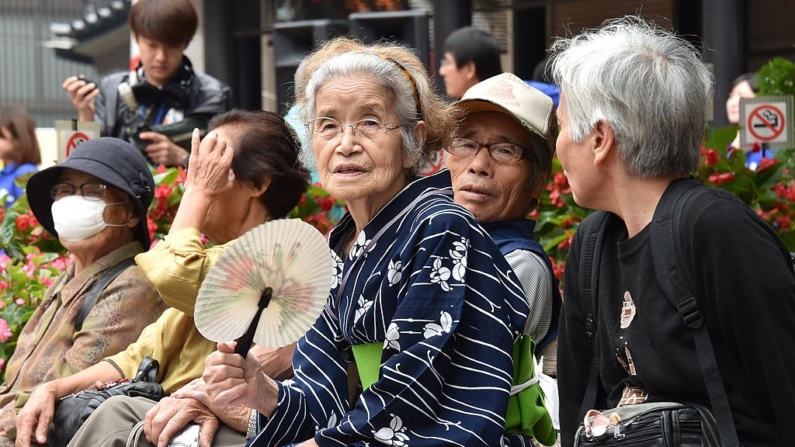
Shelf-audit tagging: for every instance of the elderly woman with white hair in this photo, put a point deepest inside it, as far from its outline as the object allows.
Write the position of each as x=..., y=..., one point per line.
x=419, y=282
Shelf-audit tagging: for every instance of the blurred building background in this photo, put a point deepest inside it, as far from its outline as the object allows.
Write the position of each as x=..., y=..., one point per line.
x=255, y=45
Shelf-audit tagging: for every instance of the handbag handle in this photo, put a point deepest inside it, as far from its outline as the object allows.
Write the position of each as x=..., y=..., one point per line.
x=147, y=370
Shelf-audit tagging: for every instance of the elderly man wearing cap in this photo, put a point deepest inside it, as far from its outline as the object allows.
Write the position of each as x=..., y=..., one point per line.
x=95, y=203
x=499, y=165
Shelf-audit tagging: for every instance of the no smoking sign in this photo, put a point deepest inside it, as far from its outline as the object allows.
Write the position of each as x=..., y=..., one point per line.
x=766, y=120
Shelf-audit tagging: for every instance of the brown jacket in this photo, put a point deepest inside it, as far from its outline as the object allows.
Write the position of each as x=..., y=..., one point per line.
x=49, y=348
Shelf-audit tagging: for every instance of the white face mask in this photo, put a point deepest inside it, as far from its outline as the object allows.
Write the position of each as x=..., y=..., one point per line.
x=75, y=218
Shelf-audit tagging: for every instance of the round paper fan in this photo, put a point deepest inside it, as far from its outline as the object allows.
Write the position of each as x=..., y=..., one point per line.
x=282, y=269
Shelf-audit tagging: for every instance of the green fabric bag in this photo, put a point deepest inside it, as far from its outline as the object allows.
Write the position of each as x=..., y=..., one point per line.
x=526, y=415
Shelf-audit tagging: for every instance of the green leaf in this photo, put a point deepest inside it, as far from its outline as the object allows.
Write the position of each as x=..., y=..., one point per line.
x=166, y=177
x=789, y=239
x=777, y=77
x=721, y=139
x=552, y=243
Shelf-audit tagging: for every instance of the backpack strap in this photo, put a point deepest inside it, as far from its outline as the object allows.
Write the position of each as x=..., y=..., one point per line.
x=593, y=231
x=97, y=287
x=668, y=259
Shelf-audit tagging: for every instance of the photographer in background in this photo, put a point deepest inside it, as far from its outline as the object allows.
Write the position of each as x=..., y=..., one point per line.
x=162, y=90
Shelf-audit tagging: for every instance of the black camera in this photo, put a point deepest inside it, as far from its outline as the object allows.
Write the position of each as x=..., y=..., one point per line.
x=179, y=133
x=86, y=80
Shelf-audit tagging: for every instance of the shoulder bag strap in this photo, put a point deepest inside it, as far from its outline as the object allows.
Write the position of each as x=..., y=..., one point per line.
x=668, y=260
x=97, y=287
x=593, y=230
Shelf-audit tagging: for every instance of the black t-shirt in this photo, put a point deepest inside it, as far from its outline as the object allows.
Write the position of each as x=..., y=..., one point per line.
x=745, y=289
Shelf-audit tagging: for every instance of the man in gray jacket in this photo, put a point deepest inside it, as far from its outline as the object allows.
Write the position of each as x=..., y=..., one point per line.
x=163, y=89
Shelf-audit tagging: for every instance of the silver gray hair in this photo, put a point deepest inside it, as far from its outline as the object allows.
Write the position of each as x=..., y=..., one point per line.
x=648, y=84
x=389, y=75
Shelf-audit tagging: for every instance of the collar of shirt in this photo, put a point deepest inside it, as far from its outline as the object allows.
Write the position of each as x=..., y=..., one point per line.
x=78, y=282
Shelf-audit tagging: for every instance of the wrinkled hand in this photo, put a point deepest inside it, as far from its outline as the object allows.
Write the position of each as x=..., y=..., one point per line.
x=277, y=363
x=210, y=164
x=171, y=414
x=82, y=96
x=234, y=416
x=35, y=417
x=161, y=150
x=233, y=380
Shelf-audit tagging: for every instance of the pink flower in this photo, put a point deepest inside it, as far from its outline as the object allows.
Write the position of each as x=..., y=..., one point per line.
x=3, y=286
x=20, y=302
x=2, y=363
x=5, y=331
x=59, y=263
x=29, y=269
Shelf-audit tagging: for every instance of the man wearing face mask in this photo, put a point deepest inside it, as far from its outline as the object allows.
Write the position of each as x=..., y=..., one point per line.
x=95, y=203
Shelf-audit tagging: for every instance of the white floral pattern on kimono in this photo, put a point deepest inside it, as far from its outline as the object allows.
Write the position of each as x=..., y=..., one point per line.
x=439, y=296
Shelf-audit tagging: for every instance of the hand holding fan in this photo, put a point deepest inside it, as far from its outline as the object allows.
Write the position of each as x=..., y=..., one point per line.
x=268, y=287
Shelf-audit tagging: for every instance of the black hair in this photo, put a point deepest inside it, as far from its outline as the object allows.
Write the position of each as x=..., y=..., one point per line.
x=470, y=44
x=172, y=22
x=748, y=77
x=266, y=149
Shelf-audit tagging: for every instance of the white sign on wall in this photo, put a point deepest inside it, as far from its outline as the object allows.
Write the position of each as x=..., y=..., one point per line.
x=767, y=120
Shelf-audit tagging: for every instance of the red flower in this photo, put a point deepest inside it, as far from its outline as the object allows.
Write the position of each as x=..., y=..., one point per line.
x=710, y=157
x=23, y=222
x=325, y=203
x=181, y=176
x=152, y=227
x=718, y=179
x=784, y=222
x=756, y=147
x=766, y=163
x=163, y=191
x=554, y=198
x=558, y=267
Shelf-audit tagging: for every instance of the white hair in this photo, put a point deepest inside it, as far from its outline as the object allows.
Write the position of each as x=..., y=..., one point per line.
x=648, y=84
x=388, y=74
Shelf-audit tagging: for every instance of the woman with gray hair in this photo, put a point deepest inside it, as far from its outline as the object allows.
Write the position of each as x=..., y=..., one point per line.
x=421, y=293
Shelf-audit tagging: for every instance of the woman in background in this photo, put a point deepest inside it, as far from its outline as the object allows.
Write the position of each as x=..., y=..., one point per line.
x=19, y=150
x=744, y=87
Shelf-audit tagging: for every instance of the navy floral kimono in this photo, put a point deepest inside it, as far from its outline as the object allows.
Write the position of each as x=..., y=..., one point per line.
x=424, y=279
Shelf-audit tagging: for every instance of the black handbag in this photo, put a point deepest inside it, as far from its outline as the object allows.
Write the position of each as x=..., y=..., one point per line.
x=658, y=424
x=73, y=410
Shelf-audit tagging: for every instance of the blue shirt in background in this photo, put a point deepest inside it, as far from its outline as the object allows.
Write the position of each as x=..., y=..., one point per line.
x=7, y=176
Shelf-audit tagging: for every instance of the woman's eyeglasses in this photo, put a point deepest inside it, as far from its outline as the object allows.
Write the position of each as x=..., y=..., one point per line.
x=329, y=128
x=91, y=191
x=500, y=152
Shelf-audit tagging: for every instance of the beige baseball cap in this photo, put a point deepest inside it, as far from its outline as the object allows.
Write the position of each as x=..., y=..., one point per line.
x=506, y=93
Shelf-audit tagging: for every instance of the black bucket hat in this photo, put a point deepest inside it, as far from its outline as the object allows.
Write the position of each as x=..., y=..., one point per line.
x=115, y=162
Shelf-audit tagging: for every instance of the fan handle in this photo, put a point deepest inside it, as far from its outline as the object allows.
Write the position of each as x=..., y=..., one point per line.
x=244, y=342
